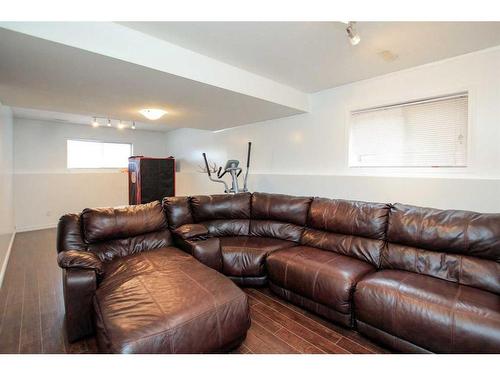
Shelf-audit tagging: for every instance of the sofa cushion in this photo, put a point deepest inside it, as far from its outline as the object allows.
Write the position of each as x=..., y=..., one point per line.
x=101, y=224
x=450, y=231
x=108, y=250
x=276, y=229
x=458, y=246
x=437, y=315
x=164, y=301
x=245, y=255
x=178, y=211
x=221, y=206
x=191, y=232
x=278, y=216
x=228, y=228
x=279, y=207
x=351, y=228
x=322, y=276
x=69, y=233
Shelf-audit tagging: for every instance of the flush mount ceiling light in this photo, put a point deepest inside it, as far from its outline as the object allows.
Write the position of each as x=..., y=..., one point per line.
x=352, y=34
x=152, y=113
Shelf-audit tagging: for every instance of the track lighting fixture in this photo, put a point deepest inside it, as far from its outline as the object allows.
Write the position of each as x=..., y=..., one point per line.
x=352, y=34
x=119, y=123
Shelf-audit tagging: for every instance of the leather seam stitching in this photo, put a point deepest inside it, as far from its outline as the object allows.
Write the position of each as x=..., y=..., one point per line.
x=219, y=332
x=399, y=294
x=441, y=305
x=99, y=312
x=139, y=277
x=453, y=319
x=322, y=266
x=167, y=331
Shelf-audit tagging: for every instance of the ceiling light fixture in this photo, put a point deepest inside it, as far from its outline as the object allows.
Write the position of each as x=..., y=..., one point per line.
x=352, y=34
x=119, y=123
x=152, y=113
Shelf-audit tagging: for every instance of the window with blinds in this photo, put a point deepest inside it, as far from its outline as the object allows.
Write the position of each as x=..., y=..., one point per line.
x=424, y=133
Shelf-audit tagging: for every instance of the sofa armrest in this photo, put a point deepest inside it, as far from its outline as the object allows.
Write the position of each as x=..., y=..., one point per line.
x=79, y=286
x=206, y=251
x=193, y=232
x=76, y=259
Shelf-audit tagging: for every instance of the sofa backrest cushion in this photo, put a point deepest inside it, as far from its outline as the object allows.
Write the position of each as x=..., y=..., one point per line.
x=220, y=206
x=351, y=228
x=178, y=211
x=459, y=246
x=223, y=214
x=108, y=250
x=280, y=207
x=228, y=228
x=279, y=216
x=104, y=224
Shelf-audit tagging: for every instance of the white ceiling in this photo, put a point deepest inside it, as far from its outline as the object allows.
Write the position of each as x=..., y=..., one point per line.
x=239, y=72
x=313, y=56
x=47, y=76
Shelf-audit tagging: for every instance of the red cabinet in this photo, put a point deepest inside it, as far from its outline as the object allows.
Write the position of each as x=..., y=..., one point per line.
x=150, y=179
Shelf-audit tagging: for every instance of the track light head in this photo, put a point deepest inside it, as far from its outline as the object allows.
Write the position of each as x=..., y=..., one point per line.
x=352, y=34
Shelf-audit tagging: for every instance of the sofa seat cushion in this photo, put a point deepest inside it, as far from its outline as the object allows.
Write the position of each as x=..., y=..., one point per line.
x=437, y=315
x=165, y=301
x=321, y=276
x=246, y=255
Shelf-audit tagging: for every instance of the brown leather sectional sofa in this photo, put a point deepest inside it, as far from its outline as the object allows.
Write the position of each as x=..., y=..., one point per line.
x=123, y=277
x=414, y=279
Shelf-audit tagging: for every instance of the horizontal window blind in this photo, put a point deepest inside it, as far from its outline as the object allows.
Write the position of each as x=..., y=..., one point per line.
x=426, y=133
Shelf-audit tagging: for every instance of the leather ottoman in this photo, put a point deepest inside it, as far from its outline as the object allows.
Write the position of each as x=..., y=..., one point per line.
x=164, y=301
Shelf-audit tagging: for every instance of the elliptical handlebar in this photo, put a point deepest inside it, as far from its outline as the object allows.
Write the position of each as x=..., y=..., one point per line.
x=206, y=164
x=226, y=189
x=248, y=154
x=245, y=188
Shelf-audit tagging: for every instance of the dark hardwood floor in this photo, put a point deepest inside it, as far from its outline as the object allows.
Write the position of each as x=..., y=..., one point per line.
x=32, y=312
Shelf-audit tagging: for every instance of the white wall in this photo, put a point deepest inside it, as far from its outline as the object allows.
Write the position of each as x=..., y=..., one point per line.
x=307, y=154
x=45, y=189
x=6, y=195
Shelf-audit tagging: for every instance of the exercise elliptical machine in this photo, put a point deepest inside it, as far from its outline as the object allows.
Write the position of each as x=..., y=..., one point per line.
x=232, y=168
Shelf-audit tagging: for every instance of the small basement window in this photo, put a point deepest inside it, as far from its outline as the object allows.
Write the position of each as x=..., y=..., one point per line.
x=424, y=133
x=96, y=154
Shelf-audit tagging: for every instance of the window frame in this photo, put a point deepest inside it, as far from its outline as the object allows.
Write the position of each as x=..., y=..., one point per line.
x=96, y=141
x=403, y=99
